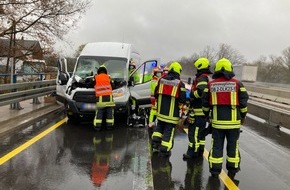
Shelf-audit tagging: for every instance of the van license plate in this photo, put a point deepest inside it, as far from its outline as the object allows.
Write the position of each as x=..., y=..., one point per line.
x=90, y=107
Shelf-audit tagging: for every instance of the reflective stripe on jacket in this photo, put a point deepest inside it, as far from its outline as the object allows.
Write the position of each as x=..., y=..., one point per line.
x=170, y=92
x=169, y=87
x=200, y=83
x=226, y=100
x=153, y=84
x=224, y=92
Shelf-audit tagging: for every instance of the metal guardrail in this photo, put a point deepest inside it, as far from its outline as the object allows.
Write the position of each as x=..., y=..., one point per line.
x=17, y=92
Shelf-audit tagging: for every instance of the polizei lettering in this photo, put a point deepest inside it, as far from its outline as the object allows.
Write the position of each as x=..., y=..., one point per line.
x=223, y=87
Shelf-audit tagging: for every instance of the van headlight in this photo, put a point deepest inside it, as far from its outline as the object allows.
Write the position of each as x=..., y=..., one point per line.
x=119, y=92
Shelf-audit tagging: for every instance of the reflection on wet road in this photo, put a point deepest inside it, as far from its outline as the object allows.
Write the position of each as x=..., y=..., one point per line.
x=77, y=157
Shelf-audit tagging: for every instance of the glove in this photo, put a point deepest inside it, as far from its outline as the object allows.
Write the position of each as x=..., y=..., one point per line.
x=151, y=125
x=207, y=119
x=204, y=132
x=242, y=121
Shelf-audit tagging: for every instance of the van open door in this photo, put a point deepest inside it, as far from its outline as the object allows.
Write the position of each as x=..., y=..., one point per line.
x=62, y=78
x=139, y=83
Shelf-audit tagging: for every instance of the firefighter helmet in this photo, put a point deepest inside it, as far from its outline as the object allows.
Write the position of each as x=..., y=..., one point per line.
x=102, y=69
x=175, y=67
x=165, y=70
x=202, y=63
x=157, y=71
x=223, y=65
x=132, y=65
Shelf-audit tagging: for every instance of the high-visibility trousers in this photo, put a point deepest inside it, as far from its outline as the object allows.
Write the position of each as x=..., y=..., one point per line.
x=108, y=113
x=163, y=136
x=196, y=142
x=215, y=158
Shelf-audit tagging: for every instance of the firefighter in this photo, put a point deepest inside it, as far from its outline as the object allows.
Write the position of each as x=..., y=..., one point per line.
x=136, y=79
x=132, y=67
x=105, y=103
x=196, y=118
x=225, y=100
x=155, y=76
x=165, y=71
x=169, y=94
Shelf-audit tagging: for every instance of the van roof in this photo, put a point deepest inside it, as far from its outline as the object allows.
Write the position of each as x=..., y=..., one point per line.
x=108, y=49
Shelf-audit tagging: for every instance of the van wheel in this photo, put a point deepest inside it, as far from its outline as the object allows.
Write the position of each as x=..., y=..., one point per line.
x=128, y=111
x=73, y=119
x=128, y=114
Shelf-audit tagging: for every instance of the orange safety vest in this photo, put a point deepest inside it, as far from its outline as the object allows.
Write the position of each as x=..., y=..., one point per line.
x=169, y=87
x=103, y=85
x=224, y=92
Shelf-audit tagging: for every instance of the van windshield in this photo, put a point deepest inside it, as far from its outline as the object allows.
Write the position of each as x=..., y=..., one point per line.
x=88, y=66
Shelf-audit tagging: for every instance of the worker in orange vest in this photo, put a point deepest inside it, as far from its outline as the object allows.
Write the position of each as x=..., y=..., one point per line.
x=105, y=103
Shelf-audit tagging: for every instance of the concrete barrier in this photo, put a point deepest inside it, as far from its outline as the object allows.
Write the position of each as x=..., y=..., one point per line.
x=272, y=114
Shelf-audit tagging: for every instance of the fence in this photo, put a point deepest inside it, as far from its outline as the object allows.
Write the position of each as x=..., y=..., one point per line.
x=16, y=92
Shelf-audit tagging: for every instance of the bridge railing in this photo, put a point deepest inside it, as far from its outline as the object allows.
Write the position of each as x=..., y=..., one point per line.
x=17, y=92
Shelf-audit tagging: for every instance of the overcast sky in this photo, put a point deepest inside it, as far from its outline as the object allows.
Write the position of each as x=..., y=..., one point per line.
x=171, y=29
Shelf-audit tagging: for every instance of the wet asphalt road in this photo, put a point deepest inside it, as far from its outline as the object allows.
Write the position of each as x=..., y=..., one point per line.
x=76, y=157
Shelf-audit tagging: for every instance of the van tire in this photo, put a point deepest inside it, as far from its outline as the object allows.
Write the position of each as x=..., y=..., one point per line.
x=128, y=112
x=128, y=109
x=73, y=119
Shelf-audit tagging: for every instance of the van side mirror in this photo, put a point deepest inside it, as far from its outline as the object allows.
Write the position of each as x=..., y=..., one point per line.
x=63, y=78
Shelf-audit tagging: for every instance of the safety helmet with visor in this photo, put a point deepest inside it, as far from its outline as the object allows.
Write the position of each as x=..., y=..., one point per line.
x=202, y=63
x=102, y=69
x=223, y=65
x=175, y=67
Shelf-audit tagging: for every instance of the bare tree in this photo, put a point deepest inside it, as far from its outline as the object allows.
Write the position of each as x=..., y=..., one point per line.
x=43, y=20
x=262, y=71
x=79, y=50
x=286, y=57
x=286, y=61
x=271, y=69
x=226, y=51
x=210, y=54
x=276, y=70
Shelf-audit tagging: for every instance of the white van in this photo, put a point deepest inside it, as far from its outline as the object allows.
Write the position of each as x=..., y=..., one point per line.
x=77, y=91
